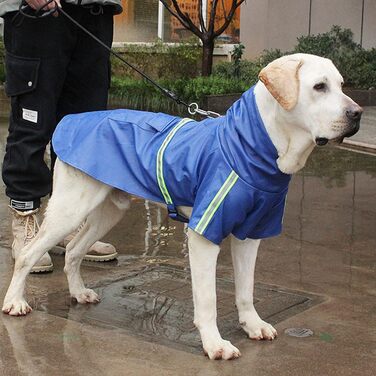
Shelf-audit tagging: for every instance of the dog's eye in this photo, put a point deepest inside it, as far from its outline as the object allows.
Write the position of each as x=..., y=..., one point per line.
x=320, y=86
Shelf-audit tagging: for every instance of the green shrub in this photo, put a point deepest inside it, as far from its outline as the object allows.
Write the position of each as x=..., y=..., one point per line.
x=246, y=71
x=334, y=43
x=356, y=64
x=268, y=56
x=139, y=94
x=159, y=60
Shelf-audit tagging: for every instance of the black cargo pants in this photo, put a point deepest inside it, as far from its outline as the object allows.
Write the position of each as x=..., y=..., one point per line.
x=52, y=69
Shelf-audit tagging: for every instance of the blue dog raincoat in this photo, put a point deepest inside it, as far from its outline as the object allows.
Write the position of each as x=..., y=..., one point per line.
x=224, y=168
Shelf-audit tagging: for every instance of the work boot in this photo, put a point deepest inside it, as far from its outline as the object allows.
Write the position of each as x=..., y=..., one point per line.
x=24, y=228
x=98, y=252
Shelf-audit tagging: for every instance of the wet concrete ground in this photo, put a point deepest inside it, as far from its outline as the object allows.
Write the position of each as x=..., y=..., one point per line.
x=319, y=274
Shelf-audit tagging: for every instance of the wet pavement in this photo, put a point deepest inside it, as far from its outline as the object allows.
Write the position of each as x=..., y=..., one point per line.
x=320, y=274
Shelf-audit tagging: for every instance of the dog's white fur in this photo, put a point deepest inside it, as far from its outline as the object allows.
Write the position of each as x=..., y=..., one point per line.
x=293, y=121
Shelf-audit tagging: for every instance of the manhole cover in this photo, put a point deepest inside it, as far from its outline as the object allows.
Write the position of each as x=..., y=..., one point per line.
x=156, y=304
x=299, y=332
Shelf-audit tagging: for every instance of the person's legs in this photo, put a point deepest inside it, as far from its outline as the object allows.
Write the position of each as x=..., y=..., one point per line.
x=86, y=89
x=88, y=73
x=52, y=69
x=37, y=54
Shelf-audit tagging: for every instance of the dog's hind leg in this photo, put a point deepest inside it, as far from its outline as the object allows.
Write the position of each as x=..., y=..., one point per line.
x=97, y=224
x=75, y=196
x=244, y=254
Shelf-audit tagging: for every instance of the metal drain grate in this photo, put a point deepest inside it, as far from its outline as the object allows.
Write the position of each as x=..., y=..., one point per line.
x=299, y=332
x=156, y=304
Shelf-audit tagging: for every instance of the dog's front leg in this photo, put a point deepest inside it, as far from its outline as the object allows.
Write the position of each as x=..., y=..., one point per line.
x=244, y=254
x=203, y=260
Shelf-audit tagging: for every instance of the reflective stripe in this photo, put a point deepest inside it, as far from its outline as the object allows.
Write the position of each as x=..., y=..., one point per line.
x=160, y=178
x=216, y=202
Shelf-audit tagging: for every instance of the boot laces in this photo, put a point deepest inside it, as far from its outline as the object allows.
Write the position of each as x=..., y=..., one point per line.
x=31, y=226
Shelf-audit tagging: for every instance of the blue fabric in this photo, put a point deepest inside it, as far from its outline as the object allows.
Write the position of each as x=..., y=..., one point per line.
x=120, y=147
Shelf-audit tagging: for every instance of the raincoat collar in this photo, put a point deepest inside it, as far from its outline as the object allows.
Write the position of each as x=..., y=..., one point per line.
x=248, y=148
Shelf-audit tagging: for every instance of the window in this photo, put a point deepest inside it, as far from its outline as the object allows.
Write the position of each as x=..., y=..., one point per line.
x=138, y=22
x=148, y=20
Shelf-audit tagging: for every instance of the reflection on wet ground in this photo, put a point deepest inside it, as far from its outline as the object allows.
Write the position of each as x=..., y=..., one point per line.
x=327, y=253
x=156, y=303
x=331, y=205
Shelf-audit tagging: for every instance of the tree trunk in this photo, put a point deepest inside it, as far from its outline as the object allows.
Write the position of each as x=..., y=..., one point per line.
x=207, y=57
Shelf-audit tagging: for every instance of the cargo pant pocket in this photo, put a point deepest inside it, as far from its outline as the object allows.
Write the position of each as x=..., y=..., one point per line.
x=21, y=80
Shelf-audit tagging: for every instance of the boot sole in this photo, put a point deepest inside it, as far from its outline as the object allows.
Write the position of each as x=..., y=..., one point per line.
x=42, y=269
x=103, y=258
x=58, y=250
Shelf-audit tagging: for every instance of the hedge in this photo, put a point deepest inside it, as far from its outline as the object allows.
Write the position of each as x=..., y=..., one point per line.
x=356, y=64
x=138, y=94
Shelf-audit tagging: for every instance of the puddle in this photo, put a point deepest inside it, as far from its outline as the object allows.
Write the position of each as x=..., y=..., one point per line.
x=156, y=304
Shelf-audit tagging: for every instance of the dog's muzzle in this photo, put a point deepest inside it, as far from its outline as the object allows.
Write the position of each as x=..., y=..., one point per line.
x=353, y=114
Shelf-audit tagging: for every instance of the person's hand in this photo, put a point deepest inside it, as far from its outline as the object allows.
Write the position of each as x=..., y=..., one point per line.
x=37, y=4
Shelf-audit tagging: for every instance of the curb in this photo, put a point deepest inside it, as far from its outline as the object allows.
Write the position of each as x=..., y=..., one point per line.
x=359, y=144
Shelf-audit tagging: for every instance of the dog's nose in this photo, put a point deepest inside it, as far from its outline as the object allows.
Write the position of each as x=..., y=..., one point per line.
x=354, y=113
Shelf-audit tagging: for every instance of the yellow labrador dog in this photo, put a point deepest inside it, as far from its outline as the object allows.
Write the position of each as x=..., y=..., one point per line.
x=298, y=102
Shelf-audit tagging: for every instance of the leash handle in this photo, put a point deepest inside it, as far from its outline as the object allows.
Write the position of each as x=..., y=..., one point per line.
x=27, y=11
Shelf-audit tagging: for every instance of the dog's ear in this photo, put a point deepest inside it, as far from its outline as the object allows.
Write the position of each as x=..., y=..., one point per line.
x=281, y=78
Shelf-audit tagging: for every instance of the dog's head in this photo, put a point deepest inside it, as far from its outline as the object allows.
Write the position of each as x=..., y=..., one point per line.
x=311, y=85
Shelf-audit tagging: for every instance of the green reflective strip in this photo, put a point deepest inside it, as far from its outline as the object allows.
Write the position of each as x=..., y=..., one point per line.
x=160, y=179
x=216, y=202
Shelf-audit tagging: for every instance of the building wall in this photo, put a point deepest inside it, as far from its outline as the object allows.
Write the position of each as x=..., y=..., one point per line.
x=369, y=29
x=268, y=24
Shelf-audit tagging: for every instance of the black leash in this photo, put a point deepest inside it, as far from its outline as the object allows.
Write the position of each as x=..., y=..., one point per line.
x=26, y=11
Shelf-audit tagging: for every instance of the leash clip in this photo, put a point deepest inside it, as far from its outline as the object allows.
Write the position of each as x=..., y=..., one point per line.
x=194, y=109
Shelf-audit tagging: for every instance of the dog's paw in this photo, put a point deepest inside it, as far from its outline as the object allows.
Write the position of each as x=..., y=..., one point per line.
x=221, y=349
x=259, y=330
x=86, y=296
x=17, y=307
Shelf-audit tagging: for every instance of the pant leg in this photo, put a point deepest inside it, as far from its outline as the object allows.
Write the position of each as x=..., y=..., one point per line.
x=37, y=56
x=72, y=76
x=89, y=71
